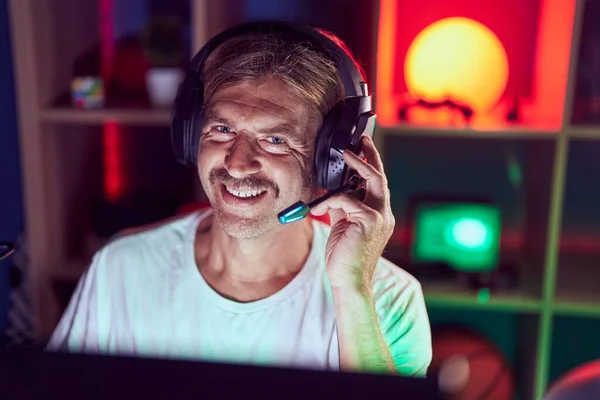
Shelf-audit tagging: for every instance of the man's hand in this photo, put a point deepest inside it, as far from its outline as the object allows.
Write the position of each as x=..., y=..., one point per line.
x=360, y=230
x=359, y=233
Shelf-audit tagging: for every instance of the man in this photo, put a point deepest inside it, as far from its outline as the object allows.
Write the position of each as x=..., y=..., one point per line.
x=232, y=284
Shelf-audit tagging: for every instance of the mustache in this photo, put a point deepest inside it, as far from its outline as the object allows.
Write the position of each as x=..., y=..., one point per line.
x=250, y=182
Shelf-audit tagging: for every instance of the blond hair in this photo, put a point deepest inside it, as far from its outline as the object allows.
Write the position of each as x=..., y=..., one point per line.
x=304, y=66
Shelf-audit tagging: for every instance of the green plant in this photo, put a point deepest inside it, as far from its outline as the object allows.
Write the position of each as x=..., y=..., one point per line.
x=163, y=42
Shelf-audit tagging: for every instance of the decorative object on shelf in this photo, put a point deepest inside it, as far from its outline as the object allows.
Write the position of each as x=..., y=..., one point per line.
x=463, y=233
x=464, y=110
x=475, y=368
x=163, y=43
x=581, y=383
x=457, y=239
x=514, y=112
x=457, y=61
x=455, y=64
x=87, y=92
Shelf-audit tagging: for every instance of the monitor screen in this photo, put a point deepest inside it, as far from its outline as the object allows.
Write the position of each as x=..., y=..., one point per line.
x=463, y=235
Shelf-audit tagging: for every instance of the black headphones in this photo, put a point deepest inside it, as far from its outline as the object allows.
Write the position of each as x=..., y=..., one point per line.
x=342, y=127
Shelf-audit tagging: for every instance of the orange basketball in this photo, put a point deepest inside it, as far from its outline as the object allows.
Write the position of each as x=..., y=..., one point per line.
x=473, y=365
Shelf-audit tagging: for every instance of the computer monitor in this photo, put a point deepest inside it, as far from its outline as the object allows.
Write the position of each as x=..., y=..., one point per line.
x=36, y=374
x=462, y=233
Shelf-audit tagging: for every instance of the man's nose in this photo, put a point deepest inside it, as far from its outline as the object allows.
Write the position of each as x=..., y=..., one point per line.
x=241, y=160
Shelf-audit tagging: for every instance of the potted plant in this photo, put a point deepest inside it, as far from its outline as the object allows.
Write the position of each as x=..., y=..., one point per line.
x=163, y=44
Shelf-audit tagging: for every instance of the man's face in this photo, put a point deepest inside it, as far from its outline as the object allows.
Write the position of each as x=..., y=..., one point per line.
x=256, y=154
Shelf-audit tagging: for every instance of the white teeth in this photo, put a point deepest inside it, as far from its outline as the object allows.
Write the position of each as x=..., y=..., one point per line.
x=252, y=193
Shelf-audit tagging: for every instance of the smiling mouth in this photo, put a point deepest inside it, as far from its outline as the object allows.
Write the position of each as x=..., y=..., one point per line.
x=245, y=194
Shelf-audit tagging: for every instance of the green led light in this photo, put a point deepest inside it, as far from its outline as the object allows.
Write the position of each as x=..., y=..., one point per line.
x=483, y=296
x=469, y=233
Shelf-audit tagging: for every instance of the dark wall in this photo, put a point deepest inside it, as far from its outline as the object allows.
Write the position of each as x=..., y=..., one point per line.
x=351, y=21
x=11, y=215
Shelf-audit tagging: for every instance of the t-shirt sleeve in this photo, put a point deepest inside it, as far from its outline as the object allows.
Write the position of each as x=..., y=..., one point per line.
x=405, y=323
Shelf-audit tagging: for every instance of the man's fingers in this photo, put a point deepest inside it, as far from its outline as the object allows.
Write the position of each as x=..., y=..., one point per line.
x=351, y=206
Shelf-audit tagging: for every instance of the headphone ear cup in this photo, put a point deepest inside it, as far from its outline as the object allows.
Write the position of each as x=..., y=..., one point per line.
x=327, y=163
x=321, y=150
x=342, y=128
x=185, y=124
x=197, y=122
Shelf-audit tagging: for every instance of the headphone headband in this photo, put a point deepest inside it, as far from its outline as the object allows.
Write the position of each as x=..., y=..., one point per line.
x=351, y=79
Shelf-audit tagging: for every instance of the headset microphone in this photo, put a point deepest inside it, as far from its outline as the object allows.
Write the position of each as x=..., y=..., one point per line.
x=6, y=249
x=300, y=209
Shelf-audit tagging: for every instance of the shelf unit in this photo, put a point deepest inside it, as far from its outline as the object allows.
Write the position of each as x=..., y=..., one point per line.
x=46, y=41
x=37, y=30
x=569, y=280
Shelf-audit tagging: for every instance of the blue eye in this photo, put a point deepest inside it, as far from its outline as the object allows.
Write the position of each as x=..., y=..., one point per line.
x=223, y=129
x=276, y=140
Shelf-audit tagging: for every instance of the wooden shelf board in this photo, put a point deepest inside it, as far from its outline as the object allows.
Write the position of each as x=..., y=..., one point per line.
x=584, y=132
x=576, y=308
x=510, y=132
x=129, y=116
x=452, y=295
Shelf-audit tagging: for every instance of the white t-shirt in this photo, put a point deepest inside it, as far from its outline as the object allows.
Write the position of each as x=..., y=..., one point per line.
x=144, y=296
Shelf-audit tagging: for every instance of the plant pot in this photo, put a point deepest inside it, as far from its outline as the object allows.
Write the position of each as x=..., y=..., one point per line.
x=162, y=85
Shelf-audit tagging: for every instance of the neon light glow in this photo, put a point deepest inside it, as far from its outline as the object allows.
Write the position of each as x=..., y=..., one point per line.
x=465, y=236
x=538, y=55
x=460, y=59
x=469, y=233
x=113, y=183
x=111, y=138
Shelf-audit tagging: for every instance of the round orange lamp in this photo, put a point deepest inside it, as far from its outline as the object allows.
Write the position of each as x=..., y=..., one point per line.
x=458, y=59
